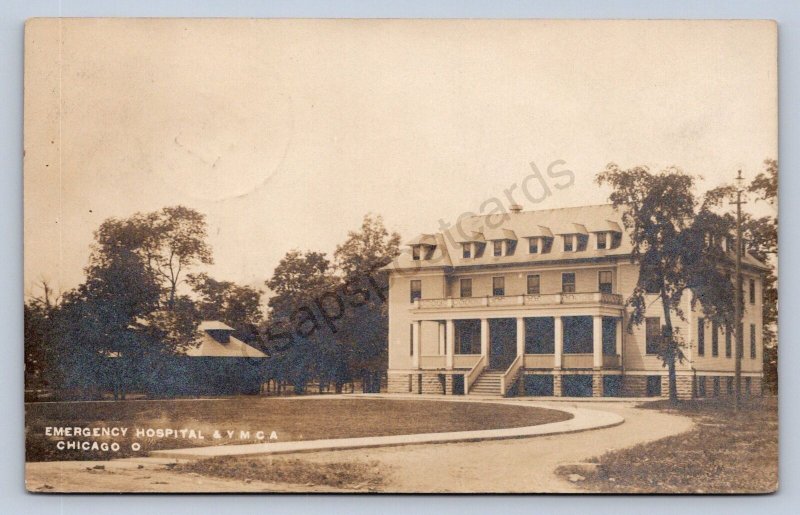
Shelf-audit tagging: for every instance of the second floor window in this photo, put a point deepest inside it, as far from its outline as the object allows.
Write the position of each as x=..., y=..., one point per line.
x=497, y=248
x=498, y=286
x=752, y=291
x=714, y=339
x=727, y=342
x=602, y=240
x=701, y=337
x=753, y=341
x=416, y=289
x=466, y=250
x=568, y=282
x=606, y=285
x=533, y=245
x=533, y=284
x=466, y=288
x=652, y=335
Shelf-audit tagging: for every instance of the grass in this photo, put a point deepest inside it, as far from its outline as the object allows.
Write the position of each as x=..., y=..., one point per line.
x=292, y=419
x=350, y=475
x=728, y=452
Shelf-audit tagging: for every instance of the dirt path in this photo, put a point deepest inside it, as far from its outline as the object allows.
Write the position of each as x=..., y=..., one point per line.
x=520, y=465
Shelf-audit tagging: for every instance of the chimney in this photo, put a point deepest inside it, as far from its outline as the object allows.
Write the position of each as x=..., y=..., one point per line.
x=515, y=208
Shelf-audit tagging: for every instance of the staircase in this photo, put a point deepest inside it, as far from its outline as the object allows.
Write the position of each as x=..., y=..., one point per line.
x=488, y=383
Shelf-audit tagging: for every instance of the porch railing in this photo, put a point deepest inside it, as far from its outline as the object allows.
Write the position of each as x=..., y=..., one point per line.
x=510, y=375
x=473, y=374
x=613, y=299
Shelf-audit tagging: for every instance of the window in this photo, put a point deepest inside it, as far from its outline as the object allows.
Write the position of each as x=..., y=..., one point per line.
x=411, y=339
x=602, y=240
x=752, y=291
x=466, y=287
x=616, y=239
x=753, y=341
x=533, y=245
x=701, y=336
x=568, y=282
x=701, y=386
x=716, y=386
x=727, y=342
x=729, y=385
x=533, y=284
x=583, y=241
x=714, y=339
x=547, y=245
x=568, y=242
x=748, y=386
x=652, y=335
x=416, y=289
x=415, y=252
x=466, y=250
x=497, y=248
x=511, y=247
x=606, y=285
x=498, y=286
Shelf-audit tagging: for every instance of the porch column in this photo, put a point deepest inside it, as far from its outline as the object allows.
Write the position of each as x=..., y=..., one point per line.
x=442, y=342
x=618, y=346
x=558, y=332
x=520, y=336
x=485, y=337
x=450, y=341
x=597, y=341
x=415, y=330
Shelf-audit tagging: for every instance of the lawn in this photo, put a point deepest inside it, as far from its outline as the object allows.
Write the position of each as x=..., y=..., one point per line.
x=291, y=419
x=728, y=452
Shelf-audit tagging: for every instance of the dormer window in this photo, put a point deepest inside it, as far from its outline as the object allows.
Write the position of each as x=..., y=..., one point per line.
x=422, y=252
x=497, y=248
x=466, y=250
x=533, y=245
x=415, y=252
x=511, y=247
x=583, y=241
x=602, y=240
x=569, y=243
x=547, y=245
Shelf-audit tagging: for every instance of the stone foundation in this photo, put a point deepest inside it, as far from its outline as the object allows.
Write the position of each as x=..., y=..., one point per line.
x=432, y=384
x=398, y=383
x=558, y=391
x=597, y=385
x=448, y=384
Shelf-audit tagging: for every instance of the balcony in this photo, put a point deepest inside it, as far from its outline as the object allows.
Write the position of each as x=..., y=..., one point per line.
x=551, y=299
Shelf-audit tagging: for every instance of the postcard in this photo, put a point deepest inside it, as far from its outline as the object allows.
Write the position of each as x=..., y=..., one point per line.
x=400, y=256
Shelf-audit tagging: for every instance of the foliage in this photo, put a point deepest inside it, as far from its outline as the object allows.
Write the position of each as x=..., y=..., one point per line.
x=236, y=305
x=676, y=241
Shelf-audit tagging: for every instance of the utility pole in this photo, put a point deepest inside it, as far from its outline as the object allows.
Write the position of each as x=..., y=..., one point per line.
x=737, y=299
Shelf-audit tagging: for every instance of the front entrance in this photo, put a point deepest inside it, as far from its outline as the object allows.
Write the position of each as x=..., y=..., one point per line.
x=503, y=346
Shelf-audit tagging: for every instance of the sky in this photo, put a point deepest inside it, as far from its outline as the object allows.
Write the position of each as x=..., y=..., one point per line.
x=285, y=133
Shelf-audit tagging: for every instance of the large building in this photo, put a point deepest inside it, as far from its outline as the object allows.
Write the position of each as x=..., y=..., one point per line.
x=533, y=303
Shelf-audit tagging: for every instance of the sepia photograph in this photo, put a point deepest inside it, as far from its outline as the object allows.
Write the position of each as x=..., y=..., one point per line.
x=400, y=256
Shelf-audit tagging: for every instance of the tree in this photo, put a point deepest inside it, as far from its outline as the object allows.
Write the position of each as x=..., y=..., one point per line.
x=237, y=306
x=170, y=240
x=97, y=325
x=301, y=349
x=40, y=352
x=677, y=248
x=761, y=237
x=360, y=260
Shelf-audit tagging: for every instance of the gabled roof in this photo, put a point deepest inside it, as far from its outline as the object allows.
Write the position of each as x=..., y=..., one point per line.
x=209, y=347
x=499, y=234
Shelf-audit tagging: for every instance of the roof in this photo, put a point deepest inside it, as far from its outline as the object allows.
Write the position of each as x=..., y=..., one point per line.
x=214, y=325
x=209, y=347
x=527, y=224
x=233, y=348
